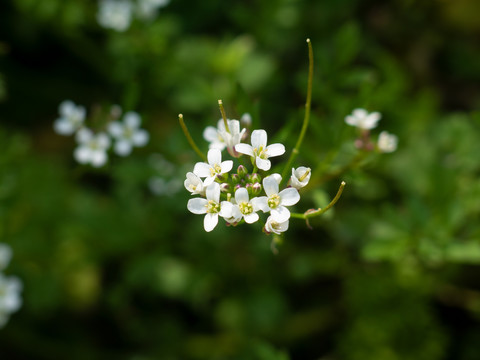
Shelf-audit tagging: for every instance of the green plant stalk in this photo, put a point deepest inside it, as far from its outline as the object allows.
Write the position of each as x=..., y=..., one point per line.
x=189, y=138
x=306, y=118
x=224, y=116
x=316, y=212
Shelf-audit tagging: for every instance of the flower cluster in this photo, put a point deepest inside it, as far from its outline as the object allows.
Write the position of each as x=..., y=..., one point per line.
x=240, y=196
x=93, y=146
x=10, y=287
x=364, y=121
x=118, y=14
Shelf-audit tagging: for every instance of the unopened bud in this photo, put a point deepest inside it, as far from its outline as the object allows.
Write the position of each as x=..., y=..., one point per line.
x=256, y=189
x=236, y=179
x=225, y=187
x=242, y=171
x=221, y=178
x=256, y=178
x=249, y=188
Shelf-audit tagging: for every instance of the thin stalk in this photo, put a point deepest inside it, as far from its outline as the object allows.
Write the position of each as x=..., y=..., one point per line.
x=306, y=118
x=224, y=116
x=189, y=138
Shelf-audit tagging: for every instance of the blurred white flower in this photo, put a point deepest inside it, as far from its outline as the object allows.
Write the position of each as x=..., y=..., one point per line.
x=115, y=14
x=5, y=256
x=92, y=147
x=300, y=177
x=10, y=300
x=220, y=138
x=147, y=9
x=71, y=118
x=276, y=202
x=210, y=206
x=128, y=134
x=246, y=120
x=387, y=142
x=161, y=186
x=259, y=149
x=276, y=227
x=194, y=184
x=362, y=119
x=214, y=167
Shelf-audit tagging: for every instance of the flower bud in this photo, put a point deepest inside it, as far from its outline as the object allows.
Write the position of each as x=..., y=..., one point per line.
x=236, y=179
x=225, y=187
x=242, y=171
x=256, y=178
x=221, y=178
x=249, y=188
x=256, y=189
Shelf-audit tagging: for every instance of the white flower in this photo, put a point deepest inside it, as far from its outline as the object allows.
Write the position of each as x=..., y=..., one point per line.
x=259, y=149
x=214, y=167
x=362, y=119
x=220, y=138
x=5, y=256
x=387, y=142
x=246, y=120
x=92, y=148
x=128, y=134
x=115, y=14
x=71, y=118
x=300, y=177
x=10, y=300
x=210, y=206
x=147, y=9
x=276, y=202
x=276, y=227
x=247, y=207
x=194, y=184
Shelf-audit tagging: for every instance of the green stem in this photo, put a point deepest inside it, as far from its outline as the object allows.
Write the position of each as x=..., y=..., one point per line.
x=306, y=118
x=189, y=138
x=224, y=116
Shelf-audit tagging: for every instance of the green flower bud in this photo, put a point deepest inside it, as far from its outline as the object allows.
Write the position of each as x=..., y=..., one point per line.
x=256, y=178
x=242, y=171
x=236, y=179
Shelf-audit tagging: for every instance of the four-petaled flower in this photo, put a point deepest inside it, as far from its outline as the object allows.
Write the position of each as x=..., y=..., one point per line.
x=214, y=167
x=276, y=227
x=259, y=150
x=387, y=142
x=211, y=206
x=71, y=118
x=362, y=119
x=194, y=184
x=300, y=177
x=92, y=147
x=246, y=207
x=276, y=202
x=128, y=133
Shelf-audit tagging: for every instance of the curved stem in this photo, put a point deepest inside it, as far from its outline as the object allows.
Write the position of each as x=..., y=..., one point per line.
x=189, y=138
x=224, y=116
x=306, y=118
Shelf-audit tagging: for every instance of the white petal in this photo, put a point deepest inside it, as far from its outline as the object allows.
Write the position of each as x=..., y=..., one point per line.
x=98, y=158
x=103, y=140
x=226, y=209
x=251, y=218
x=210, y=134
x=226, y=166
x=289, y=197
x=214, y=156
x=208, y=181
x=83, y=135
x=63, y=127
x=66, y=108
x=202, y=169
x=132, y=119
x=277, y=177
x=82, y=154
x=260, y=203
x=280, y=214
x=351, y=120
x=140, y=137
x=115, y=128
x=270, y=185
x=213, y=192
x=244, y=149
x=359, y=113
x=241, y=195
x=210, y=221
x=263, y=164
x=197, y=205
x=275, y=150
x=123, y=148
x=259, y=138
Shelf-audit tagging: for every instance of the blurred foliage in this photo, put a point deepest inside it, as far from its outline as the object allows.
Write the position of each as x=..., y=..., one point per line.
x=112, y=270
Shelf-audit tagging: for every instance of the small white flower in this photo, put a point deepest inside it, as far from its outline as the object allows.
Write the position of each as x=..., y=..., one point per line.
x=92, y=147
x=220, y=138
x=387, y=142
x=276, y=202
x=210, y=206
x=214, y=167
x=194, y=184
x=362, y=119
x=276, y=227
x=115, y=14
x=246, y=120
x=259, y=149
x=71, y=118
x=5, y=256
x=128, y=134
x=247, y=207
x=147, y=9
x=300, y=177
x=10, y=300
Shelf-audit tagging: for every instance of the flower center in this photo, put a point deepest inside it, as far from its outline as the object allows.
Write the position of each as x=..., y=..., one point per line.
x=245, y=208
x=212, y=207
x=215, y=169
x=260, y=152
x=127, y=133
x=193, y=187
x=273, y=201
